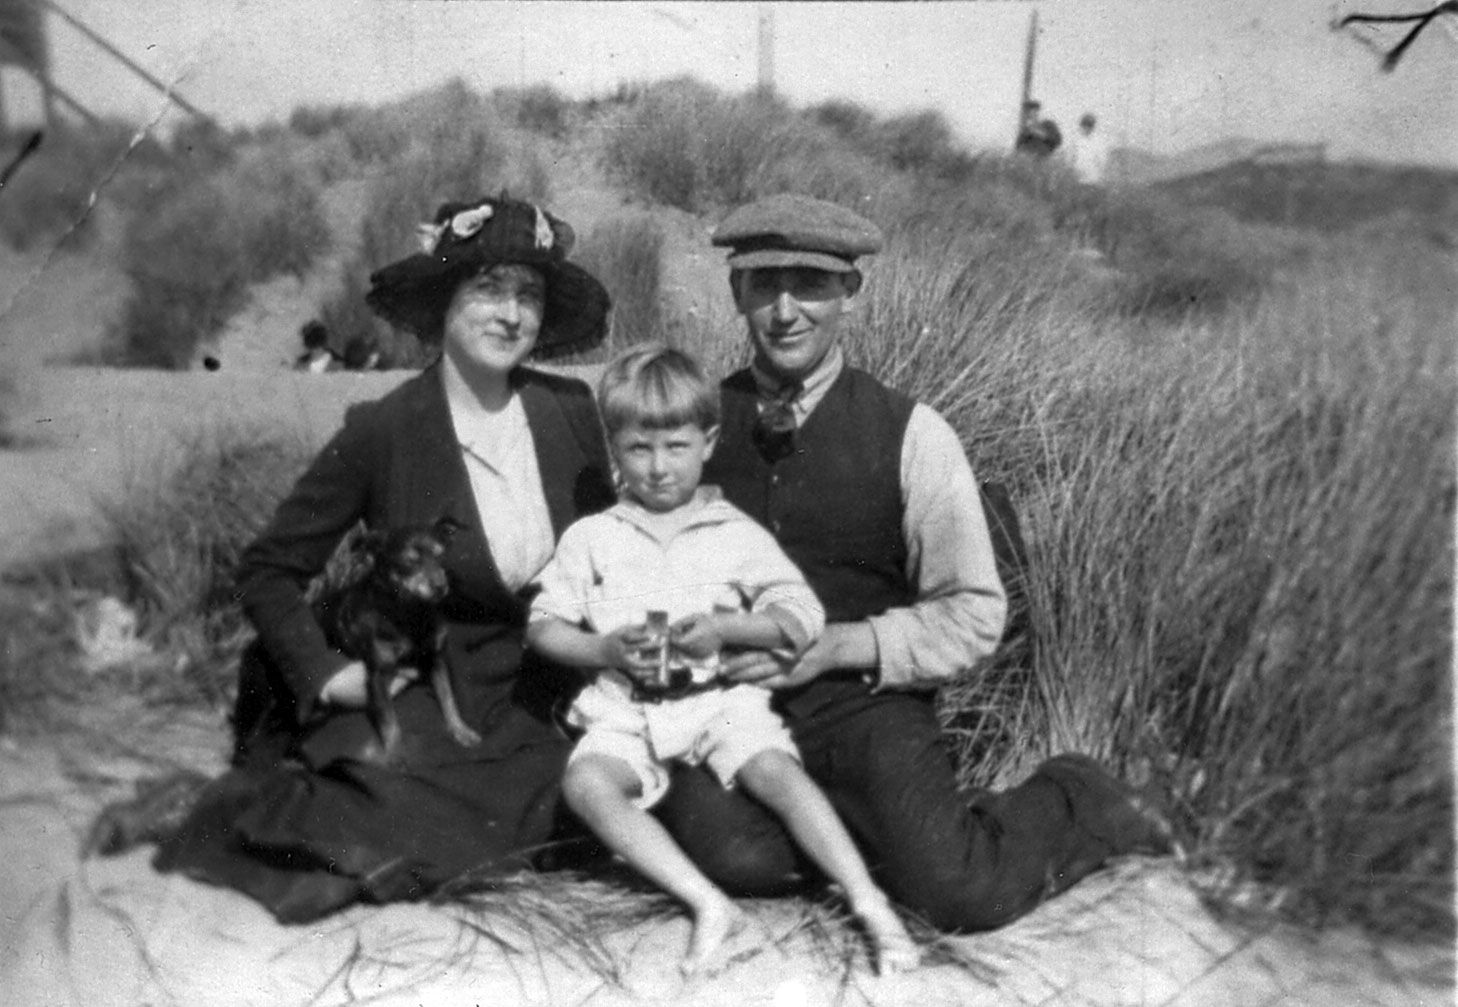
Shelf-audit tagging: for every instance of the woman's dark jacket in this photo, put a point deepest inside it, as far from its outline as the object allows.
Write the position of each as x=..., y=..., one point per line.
x=301, y=824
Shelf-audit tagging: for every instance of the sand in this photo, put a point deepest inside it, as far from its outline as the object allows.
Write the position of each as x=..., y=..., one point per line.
x=111, y=931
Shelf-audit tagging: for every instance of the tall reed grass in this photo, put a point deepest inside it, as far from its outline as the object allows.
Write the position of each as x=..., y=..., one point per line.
x=1241, y=542
x=179, y=533
x=625, y=252
x=174, y=540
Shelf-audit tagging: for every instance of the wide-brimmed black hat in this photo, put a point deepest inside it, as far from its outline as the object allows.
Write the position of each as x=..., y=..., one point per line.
x=466, y=238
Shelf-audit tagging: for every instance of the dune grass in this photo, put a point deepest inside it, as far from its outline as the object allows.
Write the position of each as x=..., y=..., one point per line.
x=1241, y=543
x=625, y=252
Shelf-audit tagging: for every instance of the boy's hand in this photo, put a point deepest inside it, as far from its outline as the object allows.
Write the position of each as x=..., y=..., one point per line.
x=623, y=649
x=697, y=636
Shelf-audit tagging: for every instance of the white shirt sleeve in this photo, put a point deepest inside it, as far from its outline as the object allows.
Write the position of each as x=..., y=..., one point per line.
x=961, y=606
x=566, y=578
x=775, y=586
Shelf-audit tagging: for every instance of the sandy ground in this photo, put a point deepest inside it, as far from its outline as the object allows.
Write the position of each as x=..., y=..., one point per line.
x=113, y=932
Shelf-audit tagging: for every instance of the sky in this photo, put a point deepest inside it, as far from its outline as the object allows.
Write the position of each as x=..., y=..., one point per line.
x=1165, y=75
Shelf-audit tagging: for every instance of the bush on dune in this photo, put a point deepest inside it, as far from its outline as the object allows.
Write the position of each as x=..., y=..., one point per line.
x=686, y=145
x=194, y=250
x=540, y=108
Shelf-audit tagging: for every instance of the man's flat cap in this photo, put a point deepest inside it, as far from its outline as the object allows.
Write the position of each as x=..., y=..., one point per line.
x=792, y=230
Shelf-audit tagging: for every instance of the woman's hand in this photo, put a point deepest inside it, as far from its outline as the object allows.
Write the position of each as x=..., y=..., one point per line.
x=843, y=645
x=697, y=636
x=347, y=689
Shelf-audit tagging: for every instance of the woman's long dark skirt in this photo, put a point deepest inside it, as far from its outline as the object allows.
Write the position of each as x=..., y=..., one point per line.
x=306, y=829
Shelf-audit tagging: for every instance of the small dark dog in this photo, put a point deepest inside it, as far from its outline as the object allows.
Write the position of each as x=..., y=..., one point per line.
x=389, y=615
x=385, y=615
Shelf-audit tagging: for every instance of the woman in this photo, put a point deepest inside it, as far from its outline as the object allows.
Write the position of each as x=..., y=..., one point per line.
x=514, y=456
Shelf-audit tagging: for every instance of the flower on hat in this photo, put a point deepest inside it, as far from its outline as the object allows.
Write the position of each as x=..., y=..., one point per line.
x=544, y=230
x=427, y=236
x=468, y=222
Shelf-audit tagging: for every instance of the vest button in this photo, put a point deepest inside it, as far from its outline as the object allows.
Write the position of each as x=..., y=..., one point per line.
x=775, y=527
x=774, y=479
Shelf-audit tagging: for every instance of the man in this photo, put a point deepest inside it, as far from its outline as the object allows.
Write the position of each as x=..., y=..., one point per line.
x=1037, y=137
x=871, y=495
x=1088, y=154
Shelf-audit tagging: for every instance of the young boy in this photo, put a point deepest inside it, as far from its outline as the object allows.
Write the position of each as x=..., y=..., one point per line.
x=678, y=550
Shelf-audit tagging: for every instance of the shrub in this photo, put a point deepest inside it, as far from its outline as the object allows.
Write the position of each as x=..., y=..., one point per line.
x=314, y=121
x=686, y=145
x=918, y=141
x=204, y=146
x=540, y=108
x=853, y=123
x=192, y=253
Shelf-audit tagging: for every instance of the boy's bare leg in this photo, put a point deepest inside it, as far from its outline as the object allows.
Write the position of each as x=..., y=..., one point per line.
x=780, y=782
x=601, y=789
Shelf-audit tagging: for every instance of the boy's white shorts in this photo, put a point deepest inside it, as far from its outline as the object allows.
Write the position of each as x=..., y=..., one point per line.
x=724, y=728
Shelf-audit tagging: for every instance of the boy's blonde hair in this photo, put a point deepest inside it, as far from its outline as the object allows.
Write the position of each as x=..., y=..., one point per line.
x=657, y=387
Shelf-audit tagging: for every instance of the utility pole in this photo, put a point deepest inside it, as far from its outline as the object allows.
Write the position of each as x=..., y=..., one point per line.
x=766, y=48
x=1028, y=63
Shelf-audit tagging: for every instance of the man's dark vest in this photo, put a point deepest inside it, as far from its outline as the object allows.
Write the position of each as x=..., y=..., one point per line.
x=834, y=504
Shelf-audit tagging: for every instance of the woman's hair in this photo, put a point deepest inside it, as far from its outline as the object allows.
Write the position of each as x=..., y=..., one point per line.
x=657, y=387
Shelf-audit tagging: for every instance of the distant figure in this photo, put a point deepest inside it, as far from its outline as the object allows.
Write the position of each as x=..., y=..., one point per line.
x=1037, y=137
x=317, y=356
x=1088, y=152
x=360, y=354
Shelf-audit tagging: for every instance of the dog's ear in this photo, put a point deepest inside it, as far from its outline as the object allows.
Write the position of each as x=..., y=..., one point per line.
x=365, y=548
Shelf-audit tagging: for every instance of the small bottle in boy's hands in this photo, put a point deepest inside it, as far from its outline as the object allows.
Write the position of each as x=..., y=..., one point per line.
x=657, y=647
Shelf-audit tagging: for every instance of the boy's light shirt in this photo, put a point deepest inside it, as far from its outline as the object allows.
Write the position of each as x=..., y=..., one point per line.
x=611, y=569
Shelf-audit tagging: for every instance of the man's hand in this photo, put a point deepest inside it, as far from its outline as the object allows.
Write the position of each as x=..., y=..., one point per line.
x=346, y=687
x=697, y=636
x=843, y=645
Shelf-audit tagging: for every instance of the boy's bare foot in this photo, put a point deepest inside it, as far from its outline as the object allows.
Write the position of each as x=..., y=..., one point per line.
x=895, y=951
x=714, y=924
